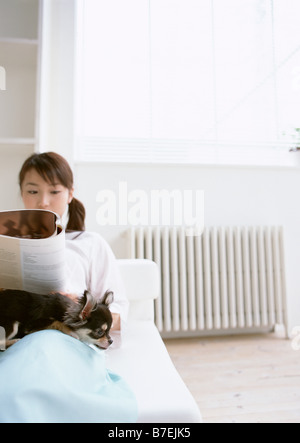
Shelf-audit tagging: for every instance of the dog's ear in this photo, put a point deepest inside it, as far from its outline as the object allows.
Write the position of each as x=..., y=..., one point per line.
x=108, y=298
x=88, y=304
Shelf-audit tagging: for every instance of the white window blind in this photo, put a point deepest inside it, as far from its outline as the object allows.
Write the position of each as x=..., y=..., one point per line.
x=188, y=81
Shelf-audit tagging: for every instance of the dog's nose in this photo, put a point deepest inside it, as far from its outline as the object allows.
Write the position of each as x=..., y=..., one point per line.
x=110, y=341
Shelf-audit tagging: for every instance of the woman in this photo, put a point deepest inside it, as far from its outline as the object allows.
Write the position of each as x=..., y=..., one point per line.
x=46, y=182
x=49, y=376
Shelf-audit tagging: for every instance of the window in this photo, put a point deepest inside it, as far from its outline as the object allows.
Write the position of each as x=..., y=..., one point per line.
x=188, y=81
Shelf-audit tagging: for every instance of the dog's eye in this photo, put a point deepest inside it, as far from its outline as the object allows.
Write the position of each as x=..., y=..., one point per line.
x=100, y=332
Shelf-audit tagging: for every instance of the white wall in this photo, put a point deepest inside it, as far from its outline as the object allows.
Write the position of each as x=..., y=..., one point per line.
x=57, y=78
x=233, y=196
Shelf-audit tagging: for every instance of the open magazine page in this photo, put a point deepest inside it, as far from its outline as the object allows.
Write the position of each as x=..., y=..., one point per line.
x=28, y=223
x=32, y=251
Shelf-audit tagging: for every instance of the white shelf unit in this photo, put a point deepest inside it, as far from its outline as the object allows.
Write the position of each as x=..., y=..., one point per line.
x=20, y=48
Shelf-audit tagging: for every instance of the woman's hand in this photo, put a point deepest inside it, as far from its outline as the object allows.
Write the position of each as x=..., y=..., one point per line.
x=73, y=297
x=116, y=326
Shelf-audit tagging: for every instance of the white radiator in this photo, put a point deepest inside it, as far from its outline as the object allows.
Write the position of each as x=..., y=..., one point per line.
x=225, y=280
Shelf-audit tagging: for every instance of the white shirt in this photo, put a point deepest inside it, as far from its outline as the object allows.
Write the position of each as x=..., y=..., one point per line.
x=91, y=265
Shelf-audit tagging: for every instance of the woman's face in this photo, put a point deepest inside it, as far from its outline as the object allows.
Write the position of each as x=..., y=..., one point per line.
x=39, y=194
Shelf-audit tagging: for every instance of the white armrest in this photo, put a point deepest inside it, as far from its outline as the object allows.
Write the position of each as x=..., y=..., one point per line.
x=142, y=284
x=141, y=279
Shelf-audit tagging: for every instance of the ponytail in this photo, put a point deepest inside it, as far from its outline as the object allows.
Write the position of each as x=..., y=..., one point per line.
x=76, y=216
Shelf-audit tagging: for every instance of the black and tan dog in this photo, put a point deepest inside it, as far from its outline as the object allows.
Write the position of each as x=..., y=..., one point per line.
x=22, y=313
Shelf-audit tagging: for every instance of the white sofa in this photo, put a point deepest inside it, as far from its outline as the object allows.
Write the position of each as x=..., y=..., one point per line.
x=143, y=360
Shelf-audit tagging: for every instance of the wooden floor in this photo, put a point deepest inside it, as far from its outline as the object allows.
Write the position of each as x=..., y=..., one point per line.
x=241, y=379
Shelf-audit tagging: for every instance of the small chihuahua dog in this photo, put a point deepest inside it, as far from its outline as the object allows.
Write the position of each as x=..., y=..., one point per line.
x=22, y=313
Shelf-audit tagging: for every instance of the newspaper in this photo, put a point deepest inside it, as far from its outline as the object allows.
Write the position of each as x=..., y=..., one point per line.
x=32, y=251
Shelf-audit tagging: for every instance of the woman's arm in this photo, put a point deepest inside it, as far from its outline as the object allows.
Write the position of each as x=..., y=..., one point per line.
x=105, y=275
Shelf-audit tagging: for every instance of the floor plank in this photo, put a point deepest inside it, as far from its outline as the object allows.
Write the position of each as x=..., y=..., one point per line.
x=241, y=379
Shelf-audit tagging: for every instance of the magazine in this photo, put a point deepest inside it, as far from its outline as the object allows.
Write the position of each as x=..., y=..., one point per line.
x=32, y=251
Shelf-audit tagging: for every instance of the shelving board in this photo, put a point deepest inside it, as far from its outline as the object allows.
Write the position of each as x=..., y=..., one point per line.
x=17, y=141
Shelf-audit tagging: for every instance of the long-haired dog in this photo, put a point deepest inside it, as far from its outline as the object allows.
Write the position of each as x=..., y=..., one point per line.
x=22, y=313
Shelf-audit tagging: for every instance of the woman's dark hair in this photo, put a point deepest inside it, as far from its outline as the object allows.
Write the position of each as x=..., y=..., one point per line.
x=54, y=168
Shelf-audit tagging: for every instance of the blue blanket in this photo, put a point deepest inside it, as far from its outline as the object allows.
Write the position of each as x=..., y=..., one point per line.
x=49, y=377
